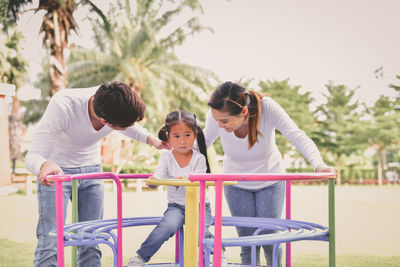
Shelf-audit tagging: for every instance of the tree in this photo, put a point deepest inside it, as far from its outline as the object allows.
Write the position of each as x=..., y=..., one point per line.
x=341, y=129
x=34, y=108
x=397, y=88
x=297, y=105
x=384, y=130
x=135, y=52
x=13, y=68
x=58, y=22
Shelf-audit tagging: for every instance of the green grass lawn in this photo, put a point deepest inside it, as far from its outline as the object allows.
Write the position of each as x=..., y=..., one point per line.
x=21, y=255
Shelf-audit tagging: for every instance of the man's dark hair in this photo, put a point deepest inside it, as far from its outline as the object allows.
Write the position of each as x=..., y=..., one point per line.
x=118, y=104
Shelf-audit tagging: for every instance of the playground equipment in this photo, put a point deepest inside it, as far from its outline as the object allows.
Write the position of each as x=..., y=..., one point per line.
x=276, y=238
x=191, y=216
x=97, y=232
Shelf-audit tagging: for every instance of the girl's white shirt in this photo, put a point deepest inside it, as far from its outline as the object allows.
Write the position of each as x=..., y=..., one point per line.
x=66, y=136
x=264, y=156
x=168, y=168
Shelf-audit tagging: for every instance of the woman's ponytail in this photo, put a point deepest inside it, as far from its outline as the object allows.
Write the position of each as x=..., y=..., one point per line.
x=254, y=108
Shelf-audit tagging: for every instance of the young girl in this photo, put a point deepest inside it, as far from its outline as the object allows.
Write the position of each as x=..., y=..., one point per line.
x=180, y=130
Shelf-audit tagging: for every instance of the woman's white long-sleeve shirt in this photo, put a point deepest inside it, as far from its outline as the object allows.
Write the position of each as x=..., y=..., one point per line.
x=66, y=136
x=264, y=156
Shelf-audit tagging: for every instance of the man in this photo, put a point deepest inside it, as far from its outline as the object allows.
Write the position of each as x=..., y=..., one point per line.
x=66, y=142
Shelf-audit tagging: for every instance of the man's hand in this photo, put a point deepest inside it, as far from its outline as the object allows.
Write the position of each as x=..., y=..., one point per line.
x=157, y=143
x=49, y=168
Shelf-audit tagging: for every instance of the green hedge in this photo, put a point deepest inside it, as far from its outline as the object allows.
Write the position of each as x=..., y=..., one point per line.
x=348, y=174
x=130, y=169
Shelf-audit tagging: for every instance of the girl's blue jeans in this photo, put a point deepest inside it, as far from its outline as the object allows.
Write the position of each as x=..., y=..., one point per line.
x=174, y=218
x=265, y=202
x=90, y=207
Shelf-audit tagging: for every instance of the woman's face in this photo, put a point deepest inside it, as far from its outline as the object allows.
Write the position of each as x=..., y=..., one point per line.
x=229, y=122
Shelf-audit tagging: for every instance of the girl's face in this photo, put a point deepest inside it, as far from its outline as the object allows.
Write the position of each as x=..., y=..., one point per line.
x=181, y=137
x=229, y=122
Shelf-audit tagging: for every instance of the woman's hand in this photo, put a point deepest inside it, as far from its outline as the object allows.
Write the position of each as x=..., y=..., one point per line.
x=157, y=143
x=324, y=168
x=150, y=185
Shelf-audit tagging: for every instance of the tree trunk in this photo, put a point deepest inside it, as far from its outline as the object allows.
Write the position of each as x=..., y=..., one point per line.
x=338, y=169
x=338, y=174
x=58, y=49
x=15, y=130
x=380, y=162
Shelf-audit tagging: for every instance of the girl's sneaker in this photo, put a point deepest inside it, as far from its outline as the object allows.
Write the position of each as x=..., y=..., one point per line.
x=136, y=262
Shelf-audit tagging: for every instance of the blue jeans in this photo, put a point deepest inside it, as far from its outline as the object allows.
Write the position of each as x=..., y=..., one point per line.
x=90, y=207
x=173, y=220
x=265, y=202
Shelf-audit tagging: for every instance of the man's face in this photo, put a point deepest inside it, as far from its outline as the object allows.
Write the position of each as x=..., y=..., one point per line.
x=118, y=128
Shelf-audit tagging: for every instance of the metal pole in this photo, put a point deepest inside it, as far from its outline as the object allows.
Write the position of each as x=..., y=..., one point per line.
x=60, y=223
x=192, y=225
x=288, y=217
x=74, y=249
x=332, y=236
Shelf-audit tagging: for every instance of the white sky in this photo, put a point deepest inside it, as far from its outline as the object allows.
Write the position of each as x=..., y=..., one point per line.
x=308, y=41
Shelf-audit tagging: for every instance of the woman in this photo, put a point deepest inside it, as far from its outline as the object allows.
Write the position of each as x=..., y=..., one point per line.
x=245, y=121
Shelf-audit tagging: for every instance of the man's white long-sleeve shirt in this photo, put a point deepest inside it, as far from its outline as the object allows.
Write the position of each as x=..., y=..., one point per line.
x=65, y=134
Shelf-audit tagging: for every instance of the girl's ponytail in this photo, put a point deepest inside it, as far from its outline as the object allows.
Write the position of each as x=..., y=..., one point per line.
x=201, y=141
x=163, y=133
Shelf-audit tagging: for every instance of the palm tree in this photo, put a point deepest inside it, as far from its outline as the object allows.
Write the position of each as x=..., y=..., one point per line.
x=58, y=22
x=133, y=52
x=13, y=70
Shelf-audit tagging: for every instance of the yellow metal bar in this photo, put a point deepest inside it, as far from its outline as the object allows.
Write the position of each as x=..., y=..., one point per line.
x=191, y=226
x=191, y=235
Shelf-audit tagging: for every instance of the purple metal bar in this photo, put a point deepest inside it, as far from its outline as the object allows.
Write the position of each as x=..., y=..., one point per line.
x=177, y=245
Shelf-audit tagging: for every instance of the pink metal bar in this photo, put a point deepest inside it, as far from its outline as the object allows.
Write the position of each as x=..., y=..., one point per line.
x=119, y=219
x=288, y=217
x=219, y=178
x=60, y=220
x=134, y=175
x=60, y=223
x=60, y=217
x=201, y=222
x=218, y=224
x=262, y=176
